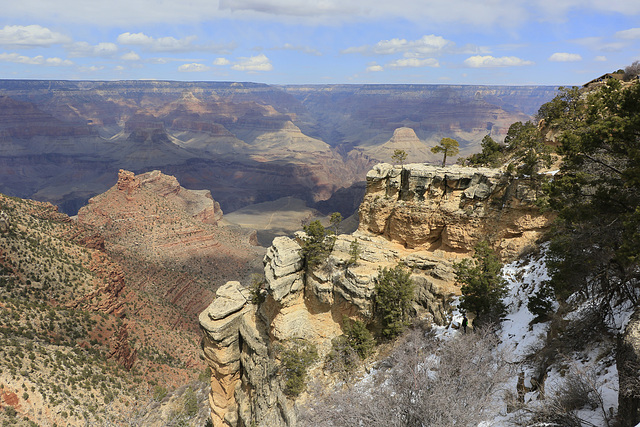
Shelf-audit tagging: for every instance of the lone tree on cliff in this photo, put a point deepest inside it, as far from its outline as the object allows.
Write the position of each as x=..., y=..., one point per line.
x=399, y=156
x=448, y=146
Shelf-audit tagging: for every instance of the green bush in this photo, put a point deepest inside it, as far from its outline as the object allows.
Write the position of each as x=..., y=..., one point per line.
x=190, y=403
x=317, y=245
x=359, y=338
x=483, y=289
x=296, y=359
x=393, y=296
x=540, y=303
x=159, y=392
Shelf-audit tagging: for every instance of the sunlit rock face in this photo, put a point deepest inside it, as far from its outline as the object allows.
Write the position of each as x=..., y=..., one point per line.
x=451, y=208
x=424, y=217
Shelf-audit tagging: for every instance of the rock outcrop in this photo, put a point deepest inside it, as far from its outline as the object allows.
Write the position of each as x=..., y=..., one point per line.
x=451, y=209
x=405, y=139
x=424, y=217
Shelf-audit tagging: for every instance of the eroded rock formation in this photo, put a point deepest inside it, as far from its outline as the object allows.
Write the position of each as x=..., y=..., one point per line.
x=425, y=217
x=451, y=209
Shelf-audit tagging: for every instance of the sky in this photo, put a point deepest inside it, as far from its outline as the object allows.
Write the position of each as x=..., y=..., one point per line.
x=484, y=42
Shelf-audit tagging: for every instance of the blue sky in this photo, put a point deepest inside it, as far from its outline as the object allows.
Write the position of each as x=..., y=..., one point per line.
x=541, y=42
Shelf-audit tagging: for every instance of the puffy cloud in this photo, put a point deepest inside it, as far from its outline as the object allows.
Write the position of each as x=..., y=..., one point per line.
x=414, y=63
x=84, y=49
x=221, y=61
x=30, y=36
x=374, y=68
x=565, y=57
x=600, y=58
x=426, y=45
x=162, y=44
x=488, y=61
x=130, y=56
x=36, y=60
x=632, y=33
x=193, y=68
x=253, y=63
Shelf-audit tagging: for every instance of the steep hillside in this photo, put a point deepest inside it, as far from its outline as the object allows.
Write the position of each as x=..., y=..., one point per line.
x=98, y=314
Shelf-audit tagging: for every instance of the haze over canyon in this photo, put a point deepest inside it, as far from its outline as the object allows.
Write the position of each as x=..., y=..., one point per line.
x=64, y=141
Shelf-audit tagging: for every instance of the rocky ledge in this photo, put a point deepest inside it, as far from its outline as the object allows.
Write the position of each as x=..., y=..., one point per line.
x=422, y=216
x=451, y=208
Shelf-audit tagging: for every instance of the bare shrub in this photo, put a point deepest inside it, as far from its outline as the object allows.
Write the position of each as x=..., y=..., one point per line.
x=425, y=382
x=579, y=389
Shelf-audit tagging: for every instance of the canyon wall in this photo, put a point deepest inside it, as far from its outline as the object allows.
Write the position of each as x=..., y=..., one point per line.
x=424, y=217
x=64, y=141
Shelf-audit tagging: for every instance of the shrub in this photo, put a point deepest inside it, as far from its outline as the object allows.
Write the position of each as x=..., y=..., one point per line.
x=159, y=392
x=317, y=244
x=295, y=361
x=190, y=403
x=358, y=337
x=393, y=296
x=540, y=303
x=482, y=286
x=354, y=252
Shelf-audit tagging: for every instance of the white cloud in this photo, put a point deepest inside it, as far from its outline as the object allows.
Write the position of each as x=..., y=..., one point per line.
x=426, y=45
x=36, y=60
x=488, y=61
x=30, y=36
x=414, y=63
x=304, y=49
x=221, y=61
x=84, y=49
x=374, y=68
x=130, y=56
x=172, y=44
x=600, y=58
x=253, y=63
x=565, y=57
x=91, y=69
x=162, y=44
x=487, y=14
x=632, y=33
x=193, y=68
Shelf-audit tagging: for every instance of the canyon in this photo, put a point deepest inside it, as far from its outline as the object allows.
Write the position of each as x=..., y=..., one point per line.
x=64, y=141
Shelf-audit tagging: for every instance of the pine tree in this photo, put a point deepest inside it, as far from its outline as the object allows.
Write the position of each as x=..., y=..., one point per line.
x=483, y=289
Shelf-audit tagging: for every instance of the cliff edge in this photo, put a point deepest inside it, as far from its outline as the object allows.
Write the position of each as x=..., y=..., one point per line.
x=422, y=216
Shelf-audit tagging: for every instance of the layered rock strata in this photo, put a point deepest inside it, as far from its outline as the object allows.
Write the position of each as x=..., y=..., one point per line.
x=424, y=217
x=452, y=208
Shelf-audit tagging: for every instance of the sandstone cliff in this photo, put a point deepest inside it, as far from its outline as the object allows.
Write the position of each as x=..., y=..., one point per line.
x=451, y=209
x=425, y=217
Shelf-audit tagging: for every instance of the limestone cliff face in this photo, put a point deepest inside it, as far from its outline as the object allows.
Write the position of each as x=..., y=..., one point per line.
x=241, y=337
x=450, y=209
x=425, y=217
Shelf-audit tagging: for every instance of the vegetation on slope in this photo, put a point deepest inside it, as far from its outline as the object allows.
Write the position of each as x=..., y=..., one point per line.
x=72, y=348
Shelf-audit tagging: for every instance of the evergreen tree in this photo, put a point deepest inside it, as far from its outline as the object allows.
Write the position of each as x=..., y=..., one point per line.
x=393, y=296
x=317, y=244
x=491, y=154
x=596, y=245
x=482, y=287
x=447, y=146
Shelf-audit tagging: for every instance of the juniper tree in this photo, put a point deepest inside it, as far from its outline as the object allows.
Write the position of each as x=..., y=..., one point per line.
x=483, y=289
x=447, y=146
